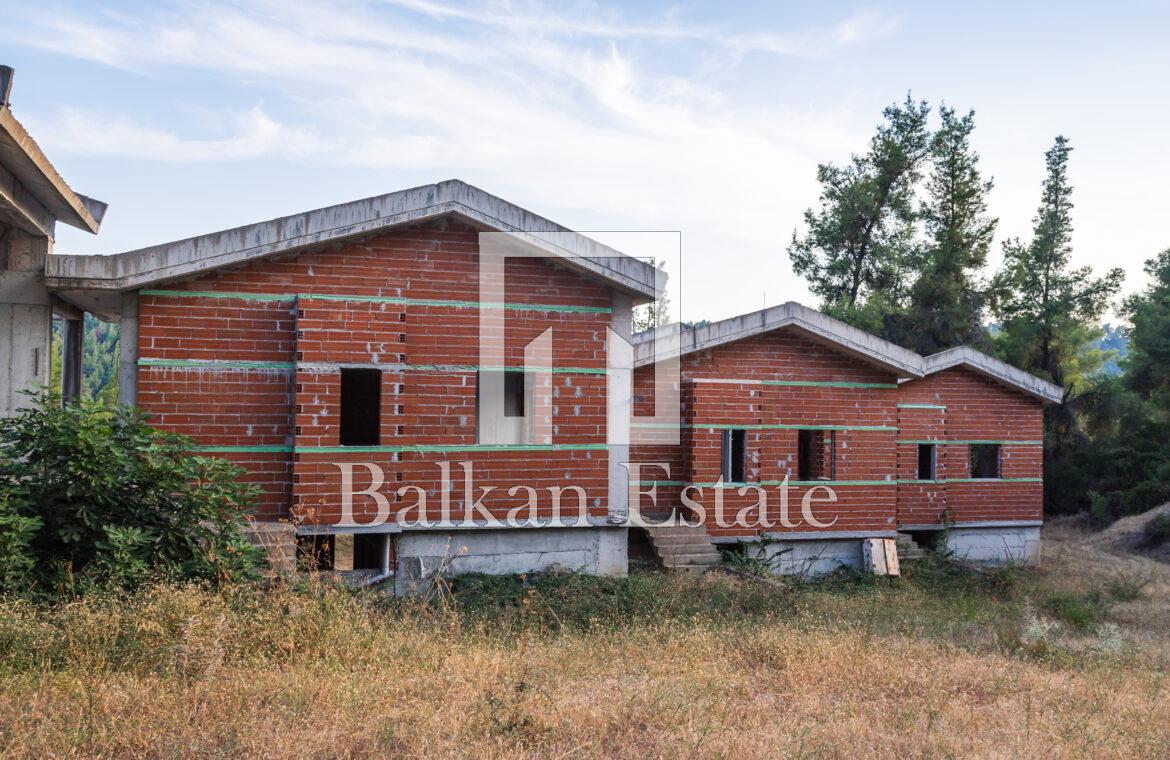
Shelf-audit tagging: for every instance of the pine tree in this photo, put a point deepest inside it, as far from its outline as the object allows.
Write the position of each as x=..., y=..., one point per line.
x=1147, y=366
x=653, y=314
x=946, y=302
x=1048, y=312
x=854, y=252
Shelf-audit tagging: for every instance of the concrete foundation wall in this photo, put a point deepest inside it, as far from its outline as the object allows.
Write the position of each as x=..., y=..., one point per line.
x=995, y=545
x=814, y=557
x=596, y=551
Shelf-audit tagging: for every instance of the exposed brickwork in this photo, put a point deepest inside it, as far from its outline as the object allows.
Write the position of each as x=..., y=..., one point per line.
x=431, y=402
x=977, y=409
x=872, y=467
x=785, y=356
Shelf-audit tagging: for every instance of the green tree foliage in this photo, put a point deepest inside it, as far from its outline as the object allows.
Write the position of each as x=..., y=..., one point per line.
x=1116, y=458
x=1049, y=318
x=1147, y=364
x=946, y=301
x=655, y=313
x=1047, y=311
x=99, y=349
x=856, y=248
x=113, y=501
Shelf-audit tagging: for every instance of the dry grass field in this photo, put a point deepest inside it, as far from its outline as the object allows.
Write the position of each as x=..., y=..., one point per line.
x=1067, y=661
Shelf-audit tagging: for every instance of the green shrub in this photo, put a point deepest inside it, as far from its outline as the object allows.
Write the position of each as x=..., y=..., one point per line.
x=16, y=560
x=1081, y=611
x=95, y=496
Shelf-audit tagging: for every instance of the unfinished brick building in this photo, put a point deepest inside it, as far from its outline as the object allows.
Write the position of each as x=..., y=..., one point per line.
x=320, y=346
x=352, y=350
x=906, y=444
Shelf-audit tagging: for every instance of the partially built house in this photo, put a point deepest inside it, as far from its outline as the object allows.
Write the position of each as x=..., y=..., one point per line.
x=789, y=403
x=439, y=378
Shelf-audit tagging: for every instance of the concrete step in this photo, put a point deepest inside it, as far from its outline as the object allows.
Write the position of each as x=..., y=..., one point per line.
x=690, y=559
x=908, y=548
x=690, y=569
x=681, y=541
x=680, y=544
x=677, y=530
x=684, y=548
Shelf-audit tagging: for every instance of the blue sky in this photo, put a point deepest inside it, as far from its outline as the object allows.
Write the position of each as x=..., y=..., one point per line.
x=708, y=119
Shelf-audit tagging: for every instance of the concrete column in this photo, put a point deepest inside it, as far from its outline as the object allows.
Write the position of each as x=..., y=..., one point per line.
x=71, y=357
x=128, y=350
x=25, y=317
x=620, y=402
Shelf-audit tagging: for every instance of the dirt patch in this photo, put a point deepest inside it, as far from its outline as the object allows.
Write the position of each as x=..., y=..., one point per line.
x=1125, y=536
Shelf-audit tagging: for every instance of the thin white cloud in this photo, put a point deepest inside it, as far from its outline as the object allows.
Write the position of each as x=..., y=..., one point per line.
x=555, y=110
x=253, y=134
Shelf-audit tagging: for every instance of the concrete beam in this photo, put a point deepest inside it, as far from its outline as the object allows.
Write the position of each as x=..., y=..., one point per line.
x=995, y=369
x=20, y=208
x=820, y=327
x=23, y=159
x=188, y=258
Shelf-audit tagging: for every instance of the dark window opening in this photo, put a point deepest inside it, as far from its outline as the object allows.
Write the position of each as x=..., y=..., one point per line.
x=733, y=455
x=984, y=460
x=369, y=550
x=816, y=455
x=513, y=394
x=361, y=406
x=926, y=461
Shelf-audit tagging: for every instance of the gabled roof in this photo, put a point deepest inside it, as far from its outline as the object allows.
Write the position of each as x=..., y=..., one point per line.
x=33, y=196
x=673, y=340
x=994, y=369
x=821, y=327
x=191, y=257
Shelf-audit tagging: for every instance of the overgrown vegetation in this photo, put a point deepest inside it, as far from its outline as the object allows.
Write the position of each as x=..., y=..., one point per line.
x=91, y=496
x=947, y=661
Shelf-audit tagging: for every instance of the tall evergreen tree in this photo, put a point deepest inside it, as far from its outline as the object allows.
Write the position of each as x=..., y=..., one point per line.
x=1047, y=311
x=946, y=302
x=854, y=251
x=657, y=312
x=1147, y=366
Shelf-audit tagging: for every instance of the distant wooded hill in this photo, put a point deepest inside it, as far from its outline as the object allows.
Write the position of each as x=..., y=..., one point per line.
x=99, y=379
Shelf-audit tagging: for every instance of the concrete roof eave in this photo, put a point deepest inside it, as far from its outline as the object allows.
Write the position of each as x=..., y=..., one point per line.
x=194, y=256
x=32, y=185
x=901, y=362
x=995, y=369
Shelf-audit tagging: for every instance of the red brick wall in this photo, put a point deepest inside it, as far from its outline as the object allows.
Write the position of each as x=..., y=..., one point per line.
x=873, y=467
x=275, y=407
x=977, y=409
x=787, y=356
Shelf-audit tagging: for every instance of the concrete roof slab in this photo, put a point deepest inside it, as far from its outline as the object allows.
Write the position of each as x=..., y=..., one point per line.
x=995, y=369
x=191, y=257
x=843, y=337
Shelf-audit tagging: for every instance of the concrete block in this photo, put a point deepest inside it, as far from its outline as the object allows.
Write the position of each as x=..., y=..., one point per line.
x=278, y=542
x=996, y=545
x=813, y=557
x=422, y=554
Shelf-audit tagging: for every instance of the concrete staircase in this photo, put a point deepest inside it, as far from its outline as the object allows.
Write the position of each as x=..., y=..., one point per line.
x=908, y=548
x=684, y=548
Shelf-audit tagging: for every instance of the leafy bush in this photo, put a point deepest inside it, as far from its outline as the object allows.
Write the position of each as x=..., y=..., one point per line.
x=16, y=561
x=1081, y=611
x=95, y=496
